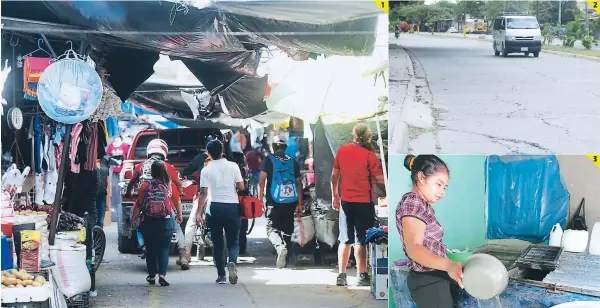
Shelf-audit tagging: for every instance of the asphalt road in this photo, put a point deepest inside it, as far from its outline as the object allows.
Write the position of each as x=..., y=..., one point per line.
x=486, y=104
x=121, y=283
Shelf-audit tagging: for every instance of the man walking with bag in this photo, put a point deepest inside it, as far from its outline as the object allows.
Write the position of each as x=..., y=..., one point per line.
x=280, y=174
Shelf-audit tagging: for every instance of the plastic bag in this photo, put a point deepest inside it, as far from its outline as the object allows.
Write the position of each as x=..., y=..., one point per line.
x=304, y=230
x=526, y=197
x=71, y=273
x=327, y=230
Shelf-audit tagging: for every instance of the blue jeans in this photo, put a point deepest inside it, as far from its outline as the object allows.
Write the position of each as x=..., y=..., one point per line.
x=225, y=216
x=253, y=182
x=157, y=237
x=101, y=206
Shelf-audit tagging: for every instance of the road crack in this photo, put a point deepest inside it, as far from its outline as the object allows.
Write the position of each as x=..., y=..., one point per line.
x=495, y=139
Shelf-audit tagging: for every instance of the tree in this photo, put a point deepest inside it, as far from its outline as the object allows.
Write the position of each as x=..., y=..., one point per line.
x=421, y=14
x=549, y=11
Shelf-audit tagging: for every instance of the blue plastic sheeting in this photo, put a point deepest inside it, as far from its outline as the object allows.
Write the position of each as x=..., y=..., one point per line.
x=516, y=295
x=526, y=197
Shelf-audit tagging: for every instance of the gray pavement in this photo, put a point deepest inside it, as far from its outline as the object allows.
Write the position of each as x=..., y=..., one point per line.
x=461, y=99
x=121, y=283
x=555, y=41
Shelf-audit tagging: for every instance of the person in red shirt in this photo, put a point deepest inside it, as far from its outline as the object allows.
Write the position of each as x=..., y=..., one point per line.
x=359, y=169
x=156, y=150
x=254, y=159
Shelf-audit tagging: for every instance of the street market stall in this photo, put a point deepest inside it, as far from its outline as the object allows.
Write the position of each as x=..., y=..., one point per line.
x=74, y=64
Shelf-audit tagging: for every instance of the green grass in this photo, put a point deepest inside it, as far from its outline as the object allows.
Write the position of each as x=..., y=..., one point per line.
x=584, y=52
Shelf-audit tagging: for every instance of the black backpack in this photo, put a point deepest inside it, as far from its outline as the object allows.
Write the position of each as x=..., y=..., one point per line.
x=578, y=221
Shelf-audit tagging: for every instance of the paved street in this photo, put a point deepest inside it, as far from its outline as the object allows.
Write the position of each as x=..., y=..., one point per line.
x=121, y=283
x=465, y=100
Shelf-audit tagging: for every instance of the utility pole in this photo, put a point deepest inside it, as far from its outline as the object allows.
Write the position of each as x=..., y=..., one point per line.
x=559, y=13
x=587, y=19
x=537, y=9
x=465, y=19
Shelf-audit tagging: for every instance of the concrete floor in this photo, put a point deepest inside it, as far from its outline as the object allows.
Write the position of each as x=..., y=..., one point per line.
x=121, y=283
x=479, y=103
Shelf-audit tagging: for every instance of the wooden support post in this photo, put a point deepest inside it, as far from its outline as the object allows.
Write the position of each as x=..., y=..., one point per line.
x=57, y=205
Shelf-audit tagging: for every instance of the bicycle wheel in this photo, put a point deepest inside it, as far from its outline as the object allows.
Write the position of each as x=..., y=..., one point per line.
x=99, y=246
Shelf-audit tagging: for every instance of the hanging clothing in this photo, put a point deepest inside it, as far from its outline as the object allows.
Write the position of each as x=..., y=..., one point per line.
x=81, y=191
x=92, y=148
x=37, y=135
x=33, y=67
x=118, y=152
x=106, y=131
x=75, y=134
x=113, y=127
x=51, y=178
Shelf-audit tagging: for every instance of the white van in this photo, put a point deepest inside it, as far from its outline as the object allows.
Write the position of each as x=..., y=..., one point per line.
x=517, y=34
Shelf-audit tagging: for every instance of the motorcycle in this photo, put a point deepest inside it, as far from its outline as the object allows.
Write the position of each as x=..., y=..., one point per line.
x=397, y=33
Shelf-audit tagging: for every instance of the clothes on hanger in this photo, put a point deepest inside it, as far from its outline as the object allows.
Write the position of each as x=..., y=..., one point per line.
x=33, y=67
x=113, y=127
x=118, y=150
x=92, y=149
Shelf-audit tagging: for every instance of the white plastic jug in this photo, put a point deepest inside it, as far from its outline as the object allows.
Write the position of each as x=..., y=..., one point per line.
x=556, y=236
x=595, y=240
x=575, y=240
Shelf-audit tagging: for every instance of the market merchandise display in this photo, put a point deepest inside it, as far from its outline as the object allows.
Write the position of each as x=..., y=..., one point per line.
x=21, y=279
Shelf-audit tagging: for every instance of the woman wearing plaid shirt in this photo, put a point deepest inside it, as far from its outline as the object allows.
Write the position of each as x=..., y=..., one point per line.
x=432, y=274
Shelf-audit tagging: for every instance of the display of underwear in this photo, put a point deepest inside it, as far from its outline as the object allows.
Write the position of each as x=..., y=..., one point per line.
x=33, y=67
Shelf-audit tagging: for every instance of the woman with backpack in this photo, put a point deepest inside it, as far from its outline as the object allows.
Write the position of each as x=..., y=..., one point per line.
x=153, y=211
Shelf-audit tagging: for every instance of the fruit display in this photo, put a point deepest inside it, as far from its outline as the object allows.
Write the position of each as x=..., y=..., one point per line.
x=21, y=279
x=47, y=209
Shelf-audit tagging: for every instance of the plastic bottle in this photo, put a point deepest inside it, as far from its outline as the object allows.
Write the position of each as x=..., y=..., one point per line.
x=556, y=236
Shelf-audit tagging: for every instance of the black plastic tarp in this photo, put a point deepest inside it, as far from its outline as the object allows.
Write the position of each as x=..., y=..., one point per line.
x=220, y=42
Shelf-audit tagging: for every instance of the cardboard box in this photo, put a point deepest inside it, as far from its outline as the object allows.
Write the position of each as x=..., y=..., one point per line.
x=380, y=286
x=379, y=271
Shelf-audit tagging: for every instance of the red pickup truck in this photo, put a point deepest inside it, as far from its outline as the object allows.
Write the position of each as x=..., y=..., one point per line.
x=184, y=144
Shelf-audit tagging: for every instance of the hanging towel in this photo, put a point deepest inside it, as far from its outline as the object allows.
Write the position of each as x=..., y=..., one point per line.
x=33, y=67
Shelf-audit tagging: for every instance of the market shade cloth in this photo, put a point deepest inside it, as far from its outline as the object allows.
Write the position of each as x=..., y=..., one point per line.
x=318, y=88
x=220, y=39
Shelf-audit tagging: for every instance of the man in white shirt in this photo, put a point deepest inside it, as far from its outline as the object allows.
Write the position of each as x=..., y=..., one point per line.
x=222, y=179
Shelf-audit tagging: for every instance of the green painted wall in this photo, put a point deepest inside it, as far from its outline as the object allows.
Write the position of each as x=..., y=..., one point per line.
x=461, y=212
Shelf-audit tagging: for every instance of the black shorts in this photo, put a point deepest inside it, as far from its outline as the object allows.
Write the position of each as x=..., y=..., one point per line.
x=422, y=285
x=359, y=218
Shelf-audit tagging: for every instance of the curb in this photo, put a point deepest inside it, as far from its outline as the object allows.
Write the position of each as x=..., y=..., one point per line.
x=558, y=53
x=399, y=129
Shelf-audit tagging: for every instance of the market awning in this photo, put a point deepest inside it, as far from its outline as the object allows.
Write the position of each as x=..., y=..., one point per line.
x=221, y=41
